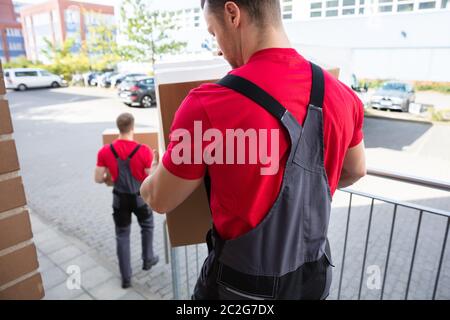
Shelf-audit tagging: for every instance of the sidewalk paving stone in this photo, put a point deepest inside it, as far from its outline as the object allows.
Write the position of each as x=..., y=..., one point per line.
x=109, y=290
x=61, y=292
x=65, y=254
x=94, y=277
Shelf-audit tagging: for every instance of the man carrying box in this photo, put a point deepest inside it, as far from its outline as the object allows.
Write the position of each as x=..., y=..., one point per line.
x=278, y=135
x=125, y=164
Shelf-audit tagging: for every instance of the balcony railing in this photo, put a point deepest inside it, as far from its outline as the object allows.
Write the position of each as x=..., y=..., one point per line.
x=185, y=269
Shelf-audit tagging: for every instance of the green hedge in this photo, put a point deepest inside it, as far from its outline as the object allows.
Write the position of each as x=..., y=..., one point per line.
x=443, y=87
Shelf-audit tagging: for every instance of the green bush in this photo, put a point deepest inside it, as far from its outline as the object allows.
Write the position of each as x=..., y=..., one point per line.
x=439, y=115
x=442, y=87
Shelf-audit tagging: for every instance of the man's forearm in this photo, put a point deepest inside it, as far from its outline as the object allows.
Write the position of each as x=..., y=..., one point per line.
x=348, y=179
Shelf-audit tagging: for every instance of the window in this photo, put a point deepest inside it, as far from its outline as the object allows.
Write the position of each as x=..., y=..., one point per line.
x=332, y=13
x=427, y=5
x=385, y=9
x=361, y=10
x=26, y=74
x=316, y=14
x=445, y=4
x=7, y=74
x=316, y=5
x=405, y=7
x=347, y=12
x=287, y=16
x=45, y=74
x=347, y=3
x=332, y=4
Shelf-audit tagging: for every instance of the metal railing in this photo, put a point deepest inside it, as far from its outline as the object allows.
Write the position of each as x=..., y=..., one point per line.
x=184, y=275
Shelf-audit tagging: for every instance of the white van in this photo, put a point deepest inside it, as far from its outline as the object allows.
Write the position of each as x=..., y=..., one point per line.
x=24, y=78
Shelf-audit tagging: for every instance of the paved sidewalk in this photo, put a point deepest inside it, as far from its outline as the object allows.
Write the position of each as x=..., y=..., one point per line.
x=58, y=253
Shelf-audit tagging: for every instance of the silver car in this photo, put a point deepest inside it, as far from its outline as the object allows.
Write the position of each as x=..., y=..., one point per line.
x=393, y=96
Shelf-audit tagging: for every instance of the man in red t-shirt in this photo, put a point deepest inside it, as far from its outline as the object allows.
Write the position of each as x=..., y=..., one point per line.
x=252, y=39
x=125, y=164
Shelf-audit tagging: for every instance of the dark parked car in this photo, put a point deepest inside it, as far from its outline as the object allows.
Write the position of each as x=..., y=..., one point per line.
x=119, y=79
x=138, y=92
x=393, y=96
x=90, y=78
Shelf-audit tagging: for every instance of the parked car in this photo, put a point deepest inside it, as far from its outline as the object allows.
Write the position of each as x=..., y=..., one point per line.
x=138, y=92
x=117, y=80
x=393, y=95
x=356, y=86
x=90, y=78
x=104, y=80
x=25, y=78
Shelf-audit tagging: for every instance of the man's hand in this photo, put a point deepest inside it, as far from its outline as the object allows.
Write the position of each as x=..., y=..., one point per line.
x=155, y=163
x=108, y=179
x=102, y=175
x=163, y=191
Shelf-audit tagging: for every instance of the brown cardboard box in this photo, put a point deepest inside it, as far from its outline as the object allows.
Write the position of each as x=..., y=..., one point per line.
x=335, y=72
x=189, y=223
x=142, y=136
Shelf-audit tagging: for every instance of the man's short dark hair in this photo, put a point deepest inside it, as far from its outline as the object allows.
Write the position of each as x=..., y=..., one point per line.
x=125, y=123
x=262, y=12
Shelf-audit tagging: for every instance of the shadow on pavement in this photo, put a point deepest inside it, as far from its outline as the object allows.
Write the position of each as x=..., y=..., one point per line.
x=392, y=134
x=33, y=98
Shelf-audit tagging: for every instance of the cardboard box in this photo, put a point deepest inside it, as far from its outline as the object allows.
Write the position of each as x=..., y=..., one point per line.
x=189, y=223
x=142, y=136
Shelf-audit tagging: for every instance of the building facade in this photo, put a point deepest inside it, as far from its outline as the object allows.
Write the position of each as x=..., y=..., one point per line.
x=11, y=38
x=375, y=39
x=58, y=20
x=317, y=9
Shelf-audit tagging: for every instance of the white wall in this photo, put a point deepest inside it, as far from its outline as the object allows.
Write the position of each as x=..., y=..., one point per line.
x=376, y=47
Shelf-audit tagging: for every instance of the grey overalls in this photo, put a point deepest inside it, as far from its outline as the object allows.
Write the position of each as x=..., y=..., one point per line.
x=127, y=199
x=287, y=256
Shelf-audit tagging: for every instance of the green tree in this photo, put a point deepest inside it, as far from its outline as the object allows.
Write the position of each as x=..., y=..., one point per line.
x=63, y=61
x=148, y=32
x=21, y=62
x=103, y=50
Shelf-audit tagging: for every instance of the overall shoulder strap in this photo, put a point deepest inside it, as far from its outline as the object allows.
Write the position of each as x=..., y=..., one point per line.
x=132, y=154
x=265, y=100
x=255, y=93
x=114, y=151
x=318, y=86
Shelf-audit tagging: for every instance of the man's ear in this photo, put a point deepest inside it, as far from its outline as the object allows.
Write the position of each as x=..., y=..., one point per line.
x=232, y=14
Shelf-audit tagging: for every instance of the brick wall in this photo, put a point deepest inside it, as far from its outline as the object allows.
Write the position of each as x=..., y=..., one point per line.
x=19, y=277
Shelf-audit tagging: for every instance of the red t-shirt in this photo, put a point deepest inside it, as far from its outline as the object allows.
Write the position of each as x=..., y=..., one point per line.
x=240, y=195
x=141, y=160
